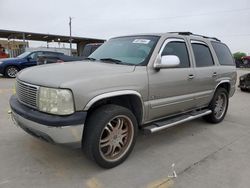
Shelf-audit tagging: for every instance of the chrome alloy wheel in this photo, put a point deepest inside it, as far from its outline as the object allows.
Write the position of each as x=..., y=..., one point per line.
x=12, y=72
x=220, y=105
x=116, y=138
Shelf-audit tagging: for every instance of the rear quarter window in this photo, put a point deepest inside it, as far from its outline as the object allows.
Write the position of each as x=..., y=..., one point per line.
x=223, y=54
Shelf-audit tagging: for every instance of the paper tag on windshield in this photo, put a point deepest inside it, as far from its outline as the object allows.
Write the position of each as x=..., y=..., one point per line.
x=141, y=41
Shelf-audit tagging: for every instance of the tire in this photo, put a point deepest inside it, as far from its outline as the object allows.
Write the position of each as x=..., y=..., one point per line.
x=11, y=71
x=219, y=106
x=104, y=141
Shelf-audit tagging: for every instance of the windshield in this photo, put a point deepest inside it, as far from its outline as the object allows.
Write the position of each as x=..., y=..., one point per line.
x=134, y=50
x=23, y=54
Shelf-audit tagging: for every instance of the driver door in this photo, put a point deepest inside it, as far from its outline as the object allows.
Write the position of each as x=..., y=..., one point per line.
x=31, y=59
x=170, y=89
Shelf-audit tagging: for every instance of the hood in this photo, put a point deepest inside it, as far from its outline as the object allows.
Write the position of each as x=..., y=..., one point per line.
x=58, y=74
x=9, y=60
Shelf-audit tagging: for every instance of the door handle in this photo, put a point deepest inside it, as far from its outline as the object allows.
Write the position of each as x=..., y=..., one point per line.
x=214, y=74
x=191, y=76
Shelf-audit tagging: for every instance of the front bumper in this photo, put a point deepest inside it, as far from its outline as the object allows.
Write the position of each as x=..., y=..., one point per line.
x=244, y=86
x=66, y=130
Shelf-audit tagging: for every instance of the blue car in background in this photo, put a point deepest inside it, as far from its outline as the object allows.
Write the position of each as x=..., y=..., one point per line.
x=9, y=67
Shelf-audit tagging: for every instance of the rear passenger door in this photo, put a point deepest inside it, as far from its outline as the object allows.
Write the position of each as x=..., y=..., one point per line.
x=205, y=72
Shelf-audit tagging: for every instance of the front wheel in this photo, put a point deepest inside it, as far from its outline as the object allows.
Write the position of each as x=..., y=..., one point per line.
x=218, y=105
x=110, y=135
x=11, y=71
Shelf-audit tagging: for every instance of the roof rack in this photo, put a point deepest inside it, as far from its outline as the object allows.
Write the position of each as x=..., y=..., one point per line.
x=190, y=33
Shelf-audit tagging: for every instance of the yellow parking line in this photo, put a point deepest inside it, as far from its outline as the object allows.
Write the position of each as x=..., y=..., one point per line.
x=93, y=183
x=164, y=183
x=6, y=90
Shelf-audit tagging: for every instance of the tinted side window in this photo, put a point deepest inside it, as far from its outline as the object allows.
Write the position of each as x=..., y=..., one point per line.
x=50, y=53
x=202, y=54
x=180, y=50
x=223, y=54
x=34, y=55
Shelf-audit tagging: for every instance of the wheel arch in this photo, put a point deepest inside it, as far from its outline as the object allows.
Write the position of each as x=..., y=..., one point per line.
x=12, y=65
x=226, y=84
x=127, y=98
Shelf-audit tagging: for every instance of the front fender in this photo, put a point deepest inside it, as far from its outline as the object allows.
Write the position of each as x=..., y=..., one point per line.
x=111, y=94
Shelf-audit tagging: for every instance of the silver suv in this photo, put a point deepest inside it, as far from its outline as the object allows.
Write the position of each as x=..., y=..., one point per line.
x=148, y=82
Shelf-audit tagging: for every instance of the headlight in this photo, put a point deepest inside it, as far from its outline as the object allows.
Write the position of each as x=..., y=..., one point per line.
x=1, y=62
x=56, y=101
x=241, y=78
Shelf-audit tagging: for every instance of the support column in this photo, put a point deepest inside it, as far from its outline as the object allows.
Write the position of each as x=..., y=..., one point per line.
x=24, y=42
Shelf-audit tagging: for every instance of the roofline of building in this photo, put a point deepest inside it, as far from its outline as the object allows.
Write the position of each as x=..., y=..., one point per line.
x=11, y=34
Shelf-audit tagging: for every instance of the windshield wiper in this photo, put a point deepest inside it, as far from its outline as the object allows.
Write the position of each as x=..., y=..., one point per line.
x=111, y=60
x=116, y=61
x=89, y=58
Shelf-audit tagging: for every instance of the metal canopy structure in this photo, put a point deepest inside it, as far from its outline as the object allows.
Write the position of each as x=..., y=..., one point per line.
x=9, y=34
x=25, y=36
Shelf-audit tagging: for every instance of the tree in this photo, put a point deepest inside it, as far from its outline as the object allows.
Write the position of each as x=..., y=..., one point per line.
x=239, y=55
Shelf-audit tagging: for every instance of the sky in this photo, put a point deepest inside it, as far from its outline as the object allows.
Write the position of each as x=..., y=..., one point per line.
x=228, y=20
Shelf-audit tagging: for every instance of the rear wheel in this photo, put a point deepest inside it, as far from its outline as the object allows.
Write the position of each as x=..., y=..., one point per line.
x=218, y=105
x=110, y=135
x=11, y=71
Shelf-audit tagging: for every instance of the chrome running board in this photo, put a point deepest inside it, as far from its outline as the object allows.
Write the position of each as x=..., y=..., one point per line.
x=164, y=124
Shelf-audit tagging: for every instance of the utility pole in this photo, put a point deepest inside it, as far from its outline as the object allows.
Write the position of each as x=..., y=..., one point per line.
x=70, y=36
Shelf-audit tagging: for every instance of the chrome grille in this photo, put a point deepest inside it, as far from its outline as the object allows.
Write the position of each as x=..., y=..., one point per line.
x=27, y=93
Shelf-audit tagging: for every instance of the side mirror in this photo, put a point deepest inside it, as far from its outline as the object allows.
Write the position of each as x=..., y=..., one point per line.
x=28, y=58
x=167, y=61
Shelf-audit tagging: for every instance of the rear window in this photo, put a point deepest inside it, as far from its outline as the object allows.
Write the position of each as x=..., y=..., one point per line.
x=223, y=54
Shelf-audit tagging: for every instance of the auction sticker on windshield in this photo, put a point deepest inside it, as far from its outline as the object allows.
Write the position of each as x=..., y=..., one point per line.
x=141, y=41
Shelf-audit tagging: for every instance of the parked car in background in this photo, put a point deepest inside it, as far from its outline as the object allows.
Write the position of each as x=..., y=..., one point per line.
x=245, y=61
x=48, y=59
x=245, y=82
x=55, y=58
x=90, y=48
x=9, y=67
